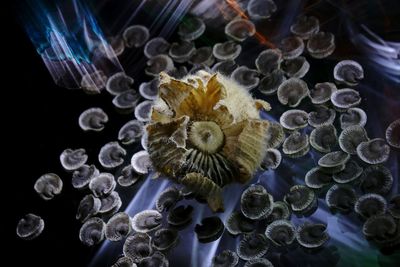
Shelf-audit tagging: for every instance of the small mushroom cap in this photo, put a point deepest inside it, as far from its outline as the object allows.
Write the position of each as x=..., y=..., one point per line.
x=369, y=205
x=111, y=155
x=351, y=137
x=124, y=262
x=155, y=47
x=261, y=9
x=270, y=83
x=143, y=110
x=181, y=52
x=281, y=233
x=119, y=83
x=252, y=246
x=72, y=159
x=324, y=138
x=30, y=226
x=268, y=61
x=393, y=134
x=210, y=229
x=301, y=199
x=146, y=221
x=110, y=204
x=349, y=72
x=296, y=145
x=272, y=159
x=321, y=93
x=275, y=135
x=225, y=67
x=376, y=179
x=48, y=185
x=93, y=119
x=237, y=224
x=321, y=116
x=394, y=206
x=353, y=116
x=240, y=29
x=130, y=132
x=345, y=98
x=103, y=184
x=126, y=101
x=247, y=78
x=128, y=176
x=379, y=226
x=305, y=26
x=164, y=239
x=291, y=47
x=316, y=178
x=350, y=173
x=88, y=206
x=341, y=198
x=228, y=50
x=83, y=175
x=295, y=67
x=226, y=258
x=321, y=44
x=374, y=151
x=118, y=227
x=140, y=162
x=158, y=64
x=255, y=202
x=294, y=119
x=312, y=235
x=333, y=159
x=292, y=91
x=180, y=216
x=261, y=262
x=178, y=72
x=168, y=198
x=137, y=246
x=156, y=259
x=202, y=56
x=92, y=231
x=191, y=28
x=136, y=35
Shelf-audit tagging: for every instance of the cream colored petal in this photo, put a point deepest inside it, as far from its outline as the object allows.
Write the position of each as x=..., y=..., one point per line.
x=261, y=104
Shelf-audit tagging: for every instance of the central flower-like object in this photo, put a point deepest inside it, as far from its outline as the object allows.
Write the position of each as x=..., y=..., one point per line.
x=206, y=132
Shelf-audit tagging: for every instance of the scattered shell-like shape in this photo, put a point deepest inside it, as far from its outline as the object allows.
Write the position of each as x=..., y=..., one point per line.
x=341, y=198
x=140, y=162
x=228, y=50
x=291, y=47
x=181, y=52
x=321, y=116
x=93, y=83
x=237, y=224
x=83, y=175
x=93, y=119
x=294, y=119
x=226, y=258
x=165, y=239
x=128, y=176
x=296, y=67
x=261, y=9
x=312, y=235
x=180, y=216
x=301, y=199
x=255, y=202
x=275, y=135
x=394, y=206
x=321, y=44
x=350, y=173
x=30, y=226
x=119, y=83
x=353, y=116
x=348, y=72
x=380, y=226
x=191, y=28
x=48, y=185
x=202, y=56
x=157, y=64
x=130, y=132
x=345, y=98
x=118, y=227
x=292, y=91
x=376, y=179
x=111, y=203
x=280, y=211
x=143, y=110
x=316, y=178
x=374, y=151
x=252, y=246
x=333, y=159
x=305, y=26
x=296, y=145
x=155, y=47
x=261, y=262
x=137, y=246
x=156, y=259
x=240, y=29
x=351, y=137
x=225, y=67
x=72, y=159
x=92, y=231
x=369, y=205
x=124, y=262
x=126, y=100
x=210, y=229
x=270, y=82
x=321, y=93
x=281, y=233
x=146, y=221
x=248, y=78
x=168, y=199
x=272, y=159
x=135, y=35
x=111, y=155
x=393, y=134
x=88, y=207
x=269, y=60
x=324, y=138
x=103, y=184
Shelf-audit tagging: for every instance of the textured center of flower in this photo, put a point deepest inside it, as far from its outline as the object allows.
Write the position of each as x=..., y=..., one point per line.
x=206, y=136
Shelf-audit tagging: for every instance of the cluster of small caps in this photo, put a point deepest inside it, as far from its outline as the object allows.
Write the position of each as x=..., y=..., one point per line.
x=278, y=72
